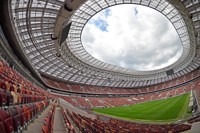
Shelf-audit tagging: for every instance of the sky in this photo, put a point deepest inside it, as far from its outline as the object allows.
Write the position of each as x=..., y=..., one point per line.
x=132, y=36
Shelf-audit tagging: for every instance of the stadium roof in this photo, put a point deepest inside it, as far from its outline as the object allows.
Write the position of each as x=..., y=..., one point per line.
x=49, y=34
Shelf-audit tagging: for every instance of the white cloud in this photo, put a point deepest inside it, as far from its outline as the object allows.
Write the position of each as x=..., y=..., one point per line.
x=132, y=36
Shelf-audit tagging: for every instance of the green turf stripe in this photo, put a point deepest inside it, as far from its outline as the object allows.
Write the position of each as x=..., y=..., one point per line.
x=160, y=110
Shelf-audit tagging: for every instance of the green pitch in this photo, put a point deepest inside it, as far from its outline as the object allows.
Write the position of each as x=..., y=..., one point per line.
x=165, y=110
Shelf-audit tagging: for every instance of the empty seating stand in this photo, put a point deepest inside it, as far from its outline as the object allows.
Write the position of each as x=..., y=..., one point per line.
x=86, y=124
x=69, y=126
x=20, y=100
x=15, y=119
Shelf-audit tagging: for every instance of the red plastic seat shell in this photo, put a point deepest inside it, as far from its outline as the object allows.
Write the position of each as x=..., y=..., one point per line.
x=2, y=128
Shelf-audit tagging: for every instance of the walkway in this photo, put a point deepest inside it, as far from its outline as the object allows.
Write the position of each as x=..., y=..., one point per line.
x=58, y=126
x=36, y=126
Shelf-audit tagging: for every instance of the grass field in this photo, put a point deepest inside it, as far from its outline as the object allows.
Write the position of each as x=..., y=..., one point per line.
x=165, y=110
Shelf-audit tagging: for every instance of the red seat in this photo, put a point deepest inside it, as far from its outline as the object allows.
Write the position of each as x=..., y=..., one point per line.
x=23, y=91
x=23, y=115
x=9, y=98
x=8, y=122
x=33, y=99
x=16, y=118
x=45, y=129
x=27, y=113
x=3, y=99
x=20, y=98
x=35, y=110
x=2, y=90
x=47, y=122
x=39, y=106
x=29, y=98
x=2, y=84
x=2, y=128
x=24, y=99
x=30, y=111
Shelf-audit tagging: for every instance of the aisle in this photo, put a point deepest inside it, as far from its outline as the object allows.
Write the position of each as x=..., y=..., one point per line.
x=58, y=126
x=36, y=126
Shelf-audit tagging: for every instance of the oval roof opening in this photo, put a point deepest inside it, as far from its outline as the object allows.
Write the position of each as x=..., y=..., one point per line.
x=132, y=36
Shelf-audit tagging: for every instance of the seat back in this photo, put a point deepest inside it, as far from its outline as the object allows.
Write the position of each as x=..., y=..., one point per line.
x=8, y=122
x=2, y=90
x=20, y=98
x=23, y=115
x=2, y=128
x=9, y=98
x=24, y=98
x=27, y=113
x=3, y=99
x=32, y=110
x=3, y=115
x=16, y=118
x=45, y=129
x=39, y=106
x=2, y=84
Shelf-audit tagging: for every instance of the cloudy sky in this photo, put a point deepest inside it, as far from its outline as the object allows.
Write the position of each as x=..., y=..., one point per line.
x=132, y=36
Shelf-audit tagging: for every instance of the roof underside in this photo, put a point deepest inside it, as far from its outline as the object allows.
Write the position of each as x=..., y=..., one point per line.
x=38, y=25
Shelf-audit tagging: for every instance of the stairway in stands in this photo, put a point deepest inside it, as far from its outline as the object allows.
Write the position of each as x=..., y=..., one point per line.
x=50, y=121
x=25, y=107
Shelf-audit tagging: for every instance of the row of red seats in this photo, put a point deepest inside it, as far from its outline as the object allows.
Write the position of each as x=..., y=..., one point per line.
x=68, y=124
x=16, y=90
x=88, y=125
x=10, y=98
x=15, y=119
x=110, y=90
x=13, y=81
x=49, y=120
x=90, y=102
x=19, y=88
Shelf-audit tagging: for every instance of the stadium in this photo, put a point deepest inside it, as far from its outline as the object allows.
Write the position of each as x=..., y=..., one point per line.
x=52, y=81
